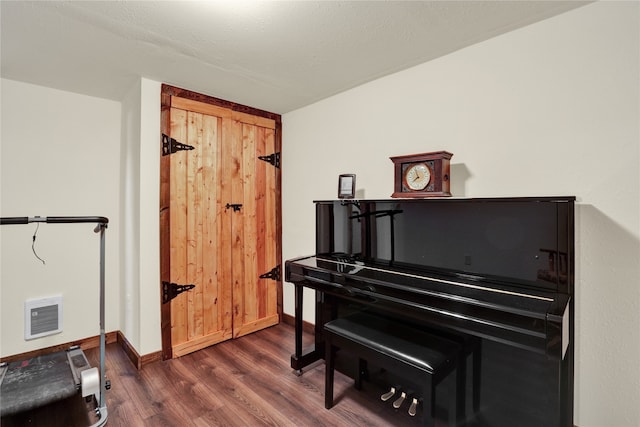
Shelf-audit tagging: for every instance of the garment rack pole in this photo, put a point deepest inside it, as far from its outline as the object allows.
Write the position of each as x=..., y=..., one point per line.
x=102, y=403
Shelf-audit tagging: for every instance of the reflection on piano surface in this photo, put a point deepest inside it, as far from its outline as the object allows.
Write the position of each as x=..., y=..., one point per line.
x=498, y=269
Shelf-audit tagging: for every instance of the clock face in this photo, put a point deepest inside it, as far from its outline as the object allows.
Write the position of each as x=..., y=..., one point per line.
x=417, y=176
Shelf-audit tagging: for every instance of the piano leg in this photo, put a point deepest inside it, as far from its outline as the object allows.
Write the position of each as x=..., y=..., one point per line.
x=301, y=359
x=298, y=320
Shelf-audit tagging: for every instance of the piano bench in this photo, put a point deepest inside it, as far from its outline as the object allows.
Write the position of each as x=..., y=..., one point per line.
x=408, y=352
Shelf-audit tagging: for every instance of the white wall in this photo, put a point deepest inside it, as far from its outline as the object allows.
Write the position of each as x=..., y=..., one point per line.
x=130, y=213
x=140, y=301
x=59, y=156
x=150, y=334
x=550, y=109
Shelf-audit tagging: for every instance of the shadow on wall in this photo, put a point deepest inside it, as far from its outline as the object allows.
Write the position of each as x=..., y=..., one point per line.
x=607, y=315
x=459, y=176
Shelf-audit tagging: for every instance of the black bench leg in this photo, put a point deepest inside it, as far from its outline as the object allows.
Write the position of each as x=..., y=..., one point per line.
x=477, y=370
x=362, y=371
x=461, y=387
x=429, y=398
x=456, y=395
x=328, y=378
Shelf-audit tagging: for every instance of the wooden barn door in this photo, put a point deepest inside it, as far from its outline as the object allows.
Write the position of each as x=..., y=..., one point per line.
x=219, y=225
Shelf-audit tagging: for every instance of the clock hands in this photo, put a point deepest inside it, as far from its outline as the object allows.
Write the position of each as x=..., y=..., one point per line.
x=417, y=177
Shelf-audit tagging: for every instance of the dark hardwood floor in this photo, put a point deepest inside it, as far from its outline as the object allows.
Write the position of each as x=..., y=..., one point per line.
x=242, y=382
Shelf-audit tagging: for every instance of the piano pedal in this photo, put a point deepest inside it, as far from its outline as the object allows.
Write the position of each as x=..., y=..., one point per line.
x=413, y=407
x=398, y=402
x=388, y=395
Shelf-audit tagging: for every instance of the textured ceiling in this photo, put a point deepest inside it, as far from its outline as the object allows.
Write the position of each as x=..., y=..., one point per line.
x=272, y=55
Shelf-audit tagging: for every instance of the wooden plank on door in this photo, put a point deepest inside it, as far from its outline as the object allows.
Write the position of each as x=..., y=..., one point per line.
x=211, y=143
x=178, y=213
x=255, y=311
x=224, y=113
x=270, y=224
x=194, y=225
x=260, y=221
x=269, y=295
x=235, y=177
x=250, y=233
x=224, y=277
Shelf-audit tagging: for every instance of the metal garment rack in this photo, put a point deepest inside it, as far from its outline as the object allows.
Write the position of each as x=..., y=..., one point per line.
x=101, y=226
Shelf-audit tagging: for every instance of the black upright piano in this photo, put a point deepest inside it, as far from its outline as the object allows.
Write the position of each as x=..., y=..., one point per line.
x=499, y=270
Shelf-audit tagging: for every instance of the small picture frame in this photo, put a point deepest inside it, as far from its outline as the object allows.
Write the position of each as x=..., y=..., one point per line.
x=346, y=186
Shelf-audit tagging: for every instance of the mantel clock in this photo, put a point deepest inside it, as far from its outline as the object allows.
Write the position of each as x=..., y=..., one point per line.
x=422, y=175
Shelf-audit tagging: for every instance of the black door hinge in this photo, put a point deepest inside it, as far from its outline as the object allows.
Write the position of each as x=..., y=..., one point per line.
x=273, y=274
x=171, y=290
x=274, y=159
x=170, y=145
